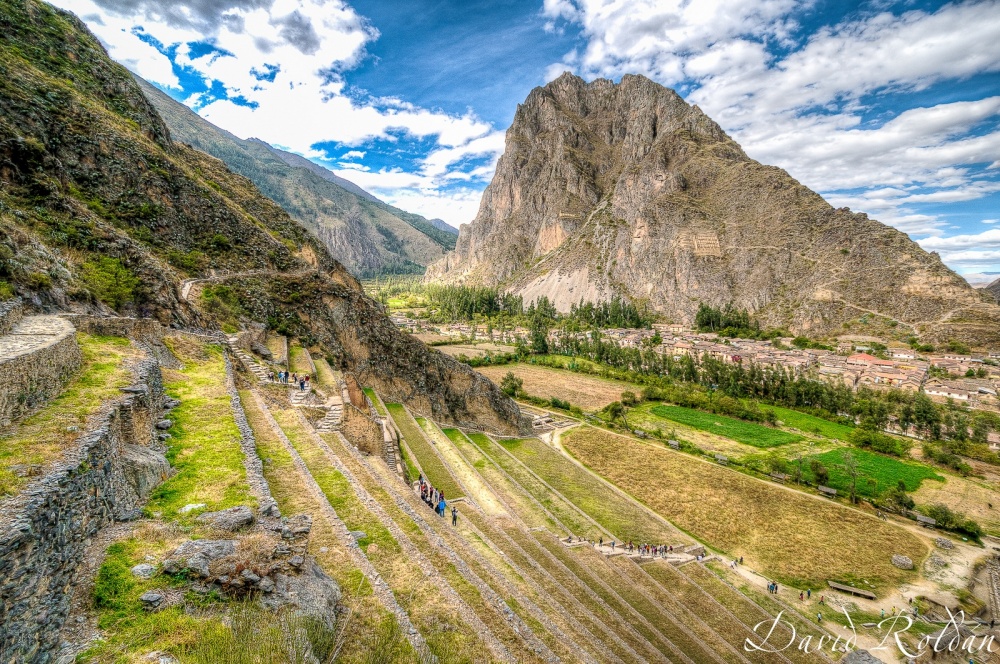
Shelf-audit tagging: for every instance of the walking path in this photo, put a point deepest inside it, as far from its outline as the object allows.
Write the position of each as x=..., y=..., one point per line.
x=32, y=334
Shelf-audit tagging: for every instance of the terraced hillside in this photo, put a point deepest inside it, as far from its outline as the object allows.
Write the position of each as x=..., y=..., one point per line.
x=542, y=562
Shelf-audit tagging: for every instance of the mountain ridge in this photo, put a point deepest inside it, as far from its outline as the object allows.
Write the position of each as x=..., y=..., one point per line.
x=103, y=212
x=367, y=235
x=626, y=189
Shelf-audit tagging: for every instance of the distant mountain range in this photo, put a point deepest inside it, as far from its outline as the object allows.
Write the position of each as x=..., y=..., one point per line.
x=994, y=289
x=625, y=189
x=365, y=234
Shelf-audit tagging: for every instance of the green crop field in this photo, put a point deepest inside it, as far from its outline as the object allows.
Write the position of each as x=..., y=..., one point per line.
x=886, y=472
x=740, y=431
x=811, y=424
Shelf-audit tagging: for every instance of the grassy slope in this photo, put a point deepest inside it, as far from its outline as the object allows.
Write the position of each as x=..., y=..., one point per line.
x=740, y=431
x=376, y=401
x=587, y=392
x=205, y=452
x=784, y=534
x=43, y=436
x=369, y=623
x=205, y=447
x=614, y=512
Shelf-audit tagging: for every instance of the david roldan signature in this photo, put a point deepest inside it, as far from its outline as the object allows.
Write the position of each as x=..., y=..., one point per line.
x=948, y=639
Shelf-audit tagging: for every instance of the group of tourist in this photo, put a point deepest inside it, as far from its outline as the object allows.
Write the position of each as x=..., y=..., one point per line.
x=435, y=500
x=287, y=378
x=650, y=550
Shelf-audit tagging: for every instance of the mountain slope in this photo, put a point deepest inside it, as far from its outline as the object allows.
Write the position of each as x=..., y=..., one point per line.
x=626, y=188
x=100, y=209
x=994, y=289
x=365, y=234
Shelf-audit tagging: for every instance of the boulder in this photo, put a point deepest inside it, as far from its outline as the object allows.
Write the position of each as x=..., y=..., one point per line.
x=902, y=562
x=163, y=425
x=312, y=592
x=144, y=570
x=297, y=525
x=943, y=543
x=230, y=520
x=196, y=556
x=860, y=657
x=359, y=534
x=151, y=600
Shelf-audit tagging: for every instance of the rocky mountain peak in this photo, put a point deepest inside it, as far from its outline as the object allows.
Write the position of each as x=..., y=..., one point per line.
x=624, y=188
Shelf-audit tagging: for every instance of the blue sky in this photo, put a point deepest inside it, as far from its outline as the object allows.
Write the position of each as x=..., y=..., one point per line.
x=890, y=108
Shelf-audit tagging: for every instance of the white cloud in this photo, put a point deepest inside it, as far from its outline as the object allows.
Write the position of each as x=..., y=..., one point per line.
x=991, y=221
x=284, y=58
x=967, y=251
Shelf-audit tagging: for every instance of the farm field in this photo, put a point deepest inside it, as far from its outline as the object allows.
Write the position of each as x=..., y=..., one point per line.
x=588, y=392
x=799, y=540
x=885, y=471
x=810, y=424
x=748, y=433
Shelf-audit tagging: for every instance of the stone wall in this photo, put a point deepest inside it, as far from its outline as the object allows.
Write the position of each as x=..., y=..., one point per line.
x=148, y=330
x=10, y=314
x=361, y=430
x=45, y=528
x=34, y=367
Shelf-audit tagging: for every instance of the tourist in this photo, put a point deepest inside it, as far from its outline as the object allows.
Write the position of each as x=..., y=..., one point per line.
x=819, y=617
x=302, y=384
x=809, y=593
x=802, y=596
x=601, y=541
x=454, y=516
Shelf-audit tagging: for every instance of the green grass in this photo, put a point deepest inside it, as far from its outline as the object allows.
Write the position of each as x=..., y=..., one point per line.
x=204, y=449
x=298, y=361
x=379, y=408
x=811, y=424
x=612, y=510
x=45, y=435
x=434, y=469
x=121, y=617
x=885, y=470
x=738, y=430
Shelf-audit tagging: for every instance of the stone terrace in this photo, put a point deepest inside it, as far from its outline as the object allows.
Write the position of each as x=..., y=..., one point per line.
x=37, y=357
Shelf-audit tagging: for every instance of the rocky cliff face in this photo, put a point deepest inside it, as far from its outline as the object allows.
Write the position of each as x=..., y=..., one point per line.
x=627, y=189
x=101, y=210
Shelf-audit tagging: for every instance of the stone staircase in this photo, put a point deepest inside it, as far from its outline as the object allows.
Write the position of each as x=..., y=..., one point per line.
x=249, y=361
x=334, y=415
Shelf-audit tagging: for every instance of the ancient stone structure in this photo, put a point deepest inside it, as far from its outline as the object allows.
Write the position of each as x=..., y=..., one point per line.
x=37, y=356
x=109, y=472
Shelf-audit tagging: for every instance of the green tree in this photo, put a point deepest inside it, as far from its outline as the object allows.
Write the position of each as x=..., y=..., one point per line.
x=511, y=384
x=617, y=411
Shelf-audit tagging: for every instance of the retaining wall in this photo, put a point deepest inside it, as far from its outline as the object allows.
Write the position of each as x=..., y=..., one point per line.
x=45, y=528
x=140, y=329
x=10, y=314
x=38, y=371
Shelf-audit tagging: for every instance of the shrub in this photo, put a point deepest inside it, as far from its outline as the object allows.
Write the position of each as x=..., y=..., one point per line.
x=629, y=398
x=879, y=442
x=6, y=291
x=111, y=282
x=511, y=384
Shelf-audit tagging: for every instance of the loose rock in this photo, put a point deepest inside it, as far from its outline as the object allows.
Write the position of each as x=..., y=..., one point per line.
x=943, y=543
x=196, y=556
x=902, y=562
x=144, y=570
x=163, y=425
x=190, y=507
x=151, y=600
x=230, y=520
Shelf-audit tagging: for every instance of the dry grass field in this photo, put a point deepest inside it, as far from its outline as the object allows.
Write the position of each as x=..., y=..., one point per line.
x=798, y=539
x=972, y=497
x=477, y=350
x=588, y=392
